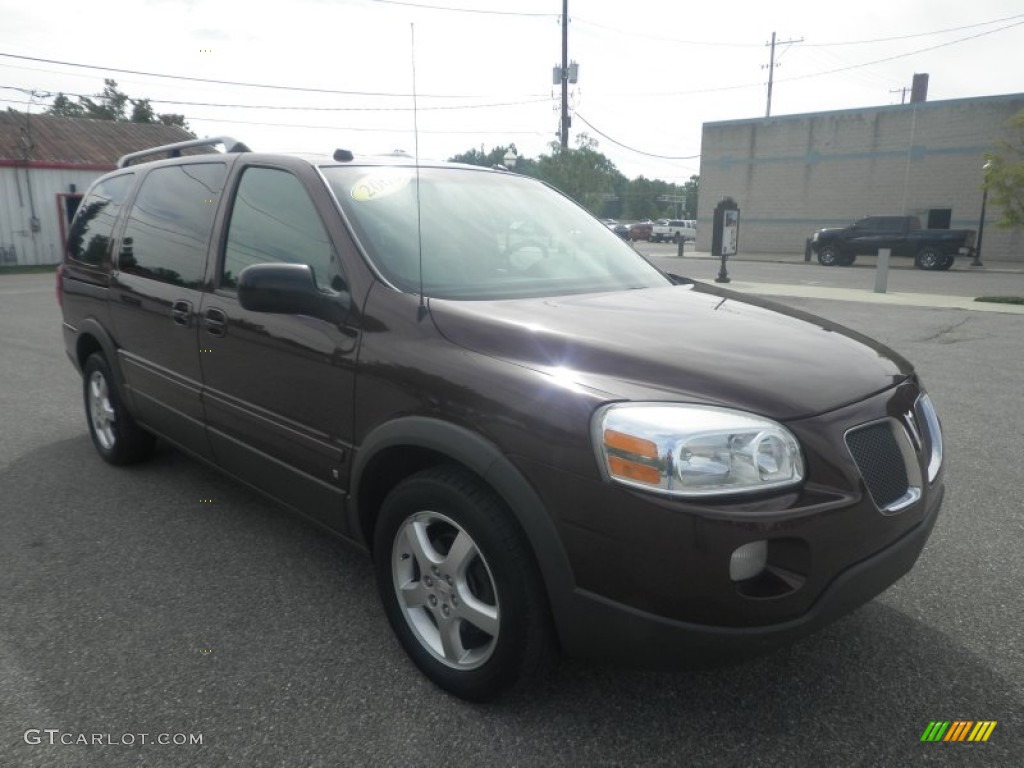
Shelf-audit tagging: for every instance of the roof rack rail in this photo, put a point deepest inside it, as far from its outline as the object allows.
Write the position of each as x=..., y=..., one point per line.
x=174, y=150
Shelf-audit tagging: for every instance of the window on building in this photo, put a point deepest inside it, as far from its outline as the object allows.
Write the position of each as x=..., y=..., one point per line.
x=168, y=231
x=940, y=218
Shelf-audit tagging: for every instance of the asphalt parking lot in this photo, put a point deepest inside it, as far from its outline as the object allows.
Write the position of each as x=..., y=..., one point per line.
x=167, y=600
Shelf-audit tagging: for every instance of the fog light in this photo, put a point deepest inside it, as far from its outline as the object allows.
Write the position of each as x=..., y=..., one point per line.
x=748, y=561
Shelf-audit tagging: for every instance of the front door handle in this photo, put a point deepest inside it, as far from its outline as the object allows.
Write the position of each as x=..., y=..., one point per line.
x=181, y=313
x=216, y=322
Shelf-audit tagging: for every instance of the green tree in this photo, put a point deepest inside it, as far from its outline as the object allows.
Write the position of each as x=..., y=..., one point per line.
x=64, y=107
x=496, y=156
x=1004, y=175
x=171, y=118
x=142, y=112
x=585, y=175
x=589, y=177
x=112, y=104
x=478, y=157
x=691, y=189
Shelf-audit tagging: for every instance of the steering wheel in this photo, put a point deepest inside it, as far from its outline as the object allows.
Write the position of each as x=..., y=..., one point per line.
x=512, y=249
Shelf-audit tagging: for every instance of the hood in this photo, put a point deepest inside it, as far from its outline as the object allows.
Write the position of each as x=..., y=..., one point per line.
x=683, y=343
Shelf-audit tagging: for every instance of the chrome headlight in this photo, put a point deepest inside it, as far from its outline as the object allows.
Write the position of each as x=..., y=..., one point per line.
x=694, y=450
x=926, y=409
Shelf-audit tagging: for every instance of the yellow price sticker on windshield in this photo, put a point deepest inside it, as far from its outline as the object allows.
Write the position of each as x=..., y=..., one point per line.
x=378, y=185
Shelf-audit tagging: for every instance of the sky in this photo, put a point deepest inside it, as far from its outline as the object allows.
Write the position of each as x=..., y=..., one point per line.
x=651, y=72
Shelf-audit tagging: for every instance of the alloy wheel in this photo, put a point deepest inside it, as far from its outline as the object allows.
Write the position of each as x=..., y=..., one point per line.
x=445, y=590
x=101, y=411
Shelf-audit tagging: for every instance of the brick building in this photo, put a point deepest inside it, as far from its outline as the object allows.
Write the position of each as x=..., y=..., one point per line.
x=46, y=164
x=793, y=174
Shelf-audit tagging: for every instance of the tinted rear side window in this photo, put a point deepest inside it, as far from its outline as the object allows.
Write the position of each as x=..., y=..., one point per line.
x=168, y=230
x=93, y=226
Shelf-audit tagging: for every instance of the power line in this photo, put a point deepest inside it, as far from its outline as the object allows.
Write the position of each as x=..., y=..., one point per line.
x=828, y=71
x=236, y=83
x=426, y=7
x=477, y=132
x=917, y=34
x=723, y=44
x=904, y=55
x=604, y=135
x=649, y=36
x=443, y=107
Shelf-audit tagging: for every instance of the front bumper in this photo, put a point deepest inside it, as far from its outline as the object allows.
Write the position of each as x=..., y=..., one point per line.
x=597, y=627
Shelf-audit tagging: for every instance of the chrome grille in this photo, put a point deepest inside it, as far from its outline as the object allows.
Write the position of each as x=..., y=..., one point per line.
x=880, y=462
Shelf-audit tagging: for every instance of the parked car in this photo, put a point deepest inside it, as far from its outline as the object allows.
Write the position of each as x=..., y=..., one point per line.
x=931, y=248
x=641, y=230
x=464, y=374
x=675, y=230
x=618, y=228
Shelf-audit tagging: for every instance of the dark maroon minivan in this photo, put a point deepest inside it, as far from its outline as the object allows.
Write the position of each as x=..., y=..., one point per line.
x=542, y=441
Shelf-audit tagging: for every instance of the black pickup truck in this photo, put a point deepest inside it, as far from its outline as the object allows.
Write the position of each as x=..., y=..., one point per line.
x=931, y=248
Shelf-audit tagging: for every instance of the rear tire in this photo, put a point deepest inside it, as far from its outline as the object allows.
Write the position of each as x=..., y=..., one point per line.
x=118, y=439
x=459, y=584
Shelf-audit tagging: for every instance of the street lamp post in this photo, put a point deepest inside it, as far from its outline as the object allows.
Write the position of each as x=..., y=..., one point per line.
x=981, y=221
x=511, y=157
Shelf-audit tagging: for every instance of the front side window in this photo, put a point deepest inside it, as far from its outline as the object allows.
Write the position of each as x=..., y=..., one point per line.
x=274, y=220
x=168, y=231
x=93, y=226
x=469, y=234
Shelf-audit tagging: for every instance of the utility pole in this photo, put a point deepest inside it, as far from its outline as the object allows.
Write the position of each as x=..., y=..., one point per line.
x=564, y=132
x=771, y=69
x=903, y=93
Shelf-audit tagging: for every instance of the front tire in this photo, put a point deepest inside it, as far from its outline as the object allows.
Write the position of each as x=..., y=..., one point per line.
x=932, y=259
x=118, y=439
x=830, y=256
x=459, y=584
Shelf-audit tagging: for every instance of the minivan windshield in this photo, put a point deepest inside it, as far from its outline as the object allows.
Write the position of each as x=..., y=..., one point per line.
x=485, y=235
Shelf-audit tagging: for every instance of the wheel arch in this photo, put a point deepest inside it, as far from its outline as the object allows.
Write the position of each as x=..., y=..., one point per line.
x=406, y=445
x=93, y=337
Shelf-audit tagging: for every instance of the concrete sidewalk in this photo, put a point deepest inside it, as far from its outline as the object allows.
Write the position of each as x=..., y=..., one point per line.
x=967, y=282
x=991, y=265
x=870, y=297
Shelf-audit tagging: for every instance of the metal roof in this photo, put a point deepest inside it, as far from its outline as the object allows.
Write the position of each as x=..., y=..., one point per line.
x=45, y=140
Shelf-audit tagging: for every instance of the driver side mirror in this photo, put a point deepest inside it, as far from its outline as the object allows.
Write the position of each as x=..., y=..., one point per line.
x=290, y=289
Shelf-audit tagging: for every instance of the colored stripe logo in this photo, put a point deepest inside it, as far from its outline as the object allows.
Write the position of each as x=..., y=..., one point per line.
x=958, y=730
